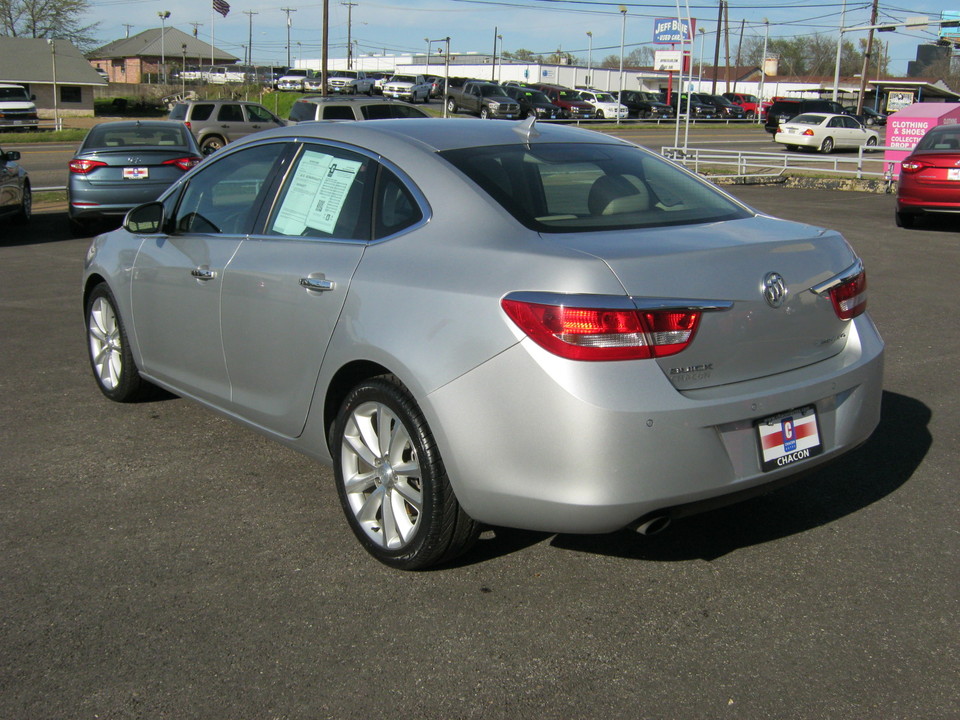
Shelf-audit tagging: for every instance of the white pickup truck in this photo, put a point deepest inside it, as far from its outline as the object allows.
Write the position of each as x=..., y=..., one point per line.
x=17, y=108
x=407, y=87
x=349, y=82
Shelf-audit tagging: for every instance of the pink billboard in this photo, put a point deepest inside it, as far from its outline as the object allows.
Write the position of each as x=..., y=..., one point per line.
x=907, y=126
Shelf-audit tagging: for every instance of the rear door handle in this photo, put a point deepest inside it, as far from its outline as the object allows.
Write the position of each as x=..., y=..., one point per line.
x=202, y=273
x=317, y=284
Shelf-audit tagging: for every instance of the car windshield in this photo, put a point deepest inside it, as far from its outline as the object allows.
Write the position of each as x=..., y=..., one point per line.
x=566, y=187
x=569, y=95
x=605, y=97
x=537, y=97
x=107, y=135
x=344, y=73
x=490, y=91
x=13, y=93
x=650, y=97
x=403, y=78
x=808, y=120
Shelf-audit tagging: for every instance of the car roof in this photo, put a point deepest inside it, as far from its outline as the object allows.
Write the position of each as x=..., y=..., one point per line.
x=333, y=99
x=434, y=134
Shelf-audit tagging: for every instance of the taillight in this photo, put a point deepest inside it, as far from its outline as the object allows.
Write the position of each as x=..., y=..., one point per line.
x=579, y=333
x=913, y=166
x=83, y=166
x=808, y=132
x=184, y=163
x=850, y=297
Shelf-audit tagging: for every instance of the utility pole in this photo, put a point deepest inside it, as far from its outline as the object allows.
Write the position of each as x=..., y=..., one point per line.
x=493, y=71
x=289, y=10
x=716, y=54
x=250, y=14
x=325, y=47
x=350, y=6
x=866, y=58
x=128, y=29
x=199, y=60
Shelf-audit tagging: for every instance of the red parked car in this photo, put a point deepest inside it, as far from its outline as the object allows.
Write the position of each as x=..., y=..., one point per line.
x=930, y=176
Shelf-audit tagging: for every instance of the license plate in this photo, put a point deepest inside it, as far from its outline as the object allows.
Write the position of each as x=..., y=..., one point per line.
x=788, y=438
x=953, y=173
x=136, y=173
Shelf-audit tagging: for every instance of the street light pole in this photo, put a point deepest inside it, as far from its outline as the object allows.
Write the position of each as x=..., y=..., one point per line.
x=590, y=59
x=56, y=104
x=183, y=68
x=623, y=34
x=288, y=10
x=164, y=14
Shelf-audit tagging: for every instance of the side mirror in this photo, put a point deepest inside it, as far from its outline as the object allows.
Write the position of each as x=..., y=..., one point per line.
x=146, y=219
x=11, y=155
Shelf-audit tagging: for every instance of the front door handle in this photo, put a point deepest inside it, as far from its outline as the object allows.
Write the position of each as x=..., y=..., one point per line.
x=318, y=284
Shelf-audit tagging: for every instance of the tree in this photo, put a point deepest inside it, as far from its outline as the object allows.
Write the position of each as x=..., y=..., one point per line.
x=47, y=19
x=519, y=55
x=817, y=55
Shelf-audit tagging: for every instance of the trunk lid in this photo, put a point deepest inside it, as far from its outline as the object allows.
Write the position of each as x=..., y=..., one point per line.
x=728, y=262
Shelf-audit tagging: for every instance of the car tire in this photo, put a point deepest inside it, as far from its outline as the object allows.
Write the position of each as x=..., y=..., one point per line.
x=751, y=115
x=599, y=114
x=391, y=480
x=826, y=147
x=871, y=142
x=790, y=148
x=111, y=359
x=905, y=220
x=211, y=143
x=451, y=105
x=26, y=206
x=646, y=114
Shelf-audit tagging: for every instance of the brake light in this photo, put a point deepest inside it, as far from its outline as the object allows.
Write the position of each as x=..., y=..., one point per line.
x=914, y=166
x=808, y=131
x=604, y=334
x=850, y=298
x=184, y=163
x=83, y=166
x=187, y=123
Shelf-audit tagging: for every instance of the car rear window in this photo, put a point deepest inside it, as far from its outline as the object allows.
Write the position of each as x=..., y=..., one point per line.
x=939, y=140
x=562, y=187
x=807, y=119
x=107, y=135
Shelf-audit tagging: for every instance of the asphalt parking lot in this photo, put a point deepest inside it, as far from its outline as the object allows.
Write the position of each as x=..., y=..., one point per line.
x=159, y=562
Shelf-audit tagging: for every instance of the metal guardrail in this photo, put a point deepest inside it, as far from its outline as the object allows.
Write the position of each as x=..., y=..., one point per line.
x=748, y=164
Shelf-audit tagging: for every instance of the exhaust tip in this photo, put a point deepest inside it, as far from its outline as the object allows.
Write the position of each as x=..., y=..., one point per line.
x=653, y=525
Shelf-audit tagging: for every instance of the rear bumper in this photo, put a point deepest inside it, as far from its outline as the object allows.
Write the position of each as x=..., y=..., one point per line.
x=540, y=443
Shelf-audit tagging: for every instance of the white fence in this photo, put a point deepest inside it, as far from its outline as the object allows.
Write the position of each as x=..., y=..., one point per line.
x=725, y=163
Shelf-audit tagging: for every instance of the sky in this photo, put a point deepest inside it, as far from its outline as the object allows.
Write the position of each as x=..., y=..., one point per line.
x=542, y=26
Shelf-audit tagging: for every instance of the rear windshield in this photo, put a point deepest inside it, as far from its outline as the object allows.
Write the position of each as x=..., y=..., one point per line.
x=807, y=120
x=585, y=187
x=106, y=135
x=940, y=140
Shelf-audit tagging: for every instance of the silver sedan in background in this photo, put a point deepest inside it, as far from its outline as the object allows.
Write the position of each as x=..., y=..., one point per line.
x=483, y=323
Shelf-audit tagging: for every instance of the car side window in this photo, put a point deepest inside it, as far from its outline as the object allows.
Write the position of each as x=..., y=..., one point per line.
x=230, y=113
x=396, y=208
x=338, y=112
x=225, y=195
x=259, y=114
x=835, y=122
x=201, y=112
x=326, y=195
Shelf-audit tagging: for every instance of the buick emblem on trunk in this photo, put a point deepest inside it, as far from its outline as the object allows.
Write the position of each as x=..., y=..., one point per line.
x=774, y=289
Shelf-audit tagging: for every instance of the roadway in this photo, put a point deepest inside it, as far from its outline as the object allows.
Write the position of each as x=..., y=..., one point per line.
x=158, y=561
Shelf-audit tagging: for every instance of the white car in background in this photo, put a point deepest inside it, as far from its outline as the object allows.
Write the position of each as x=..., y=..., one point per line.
x=825, y=132
x=295, y=79
x=605, y=103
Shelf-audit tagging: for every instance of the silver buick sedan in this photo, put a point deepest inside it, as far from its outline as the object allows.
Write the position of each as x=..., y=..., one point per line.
x=490, y=324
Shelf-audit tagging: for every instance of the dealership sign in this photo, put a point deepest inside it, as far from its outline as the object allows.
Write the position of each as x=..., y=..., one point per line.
x=673, y=31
